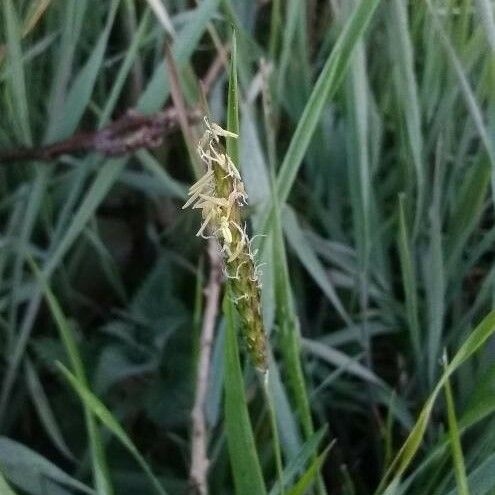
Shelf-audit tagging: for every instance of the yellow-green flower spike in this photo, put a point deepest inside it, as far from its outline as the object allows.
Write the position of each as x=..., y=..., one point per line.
x=220, y=195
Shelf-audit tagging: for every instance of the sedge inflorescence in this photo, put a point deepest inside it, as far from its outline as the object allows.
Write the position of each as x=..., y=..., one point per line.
x=220, y=195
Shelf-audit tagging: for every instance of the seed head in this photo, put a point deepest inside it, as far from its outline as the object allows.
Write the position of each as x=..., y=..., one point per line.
x=220, y=194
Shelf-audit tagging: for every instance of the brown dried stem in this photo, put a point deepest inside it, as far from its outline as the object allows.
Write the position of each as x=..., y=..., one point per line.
x=129, y=133
x=199, y=443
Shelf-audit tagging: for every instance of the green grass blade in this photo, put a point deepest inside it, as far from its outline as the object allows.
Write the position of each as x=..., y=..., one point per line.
x=488, y=18
x=469, y=96
x=435, y=279
x=310, y=476
x=44, y=410
x=325, y=87
x=455, y=440
x=80, y=92
x=308, y=258
x=340, y=360
x=246, y=469
x=407, y=87
x=157, y=90
x=474, y=342
x=71, y=22
x=290, y=338
x=482, y=478
x=172, y=187
x=98, y=459
x=297, y=464
x=106, y=417
x=288, y=35
x=103, y=181
x=269, y=393
x=288, y=424
x=359, y=105
x=124, y=69
x=409, y=280
x=27, y=469
x=17, y=81
x=275, y=29
x=162, y=15
x=4, y=486
x=359, y=98
x=16, y=350
x=254, y=166
x=289, y=329
x=481, y=406
x=233, y=106
x=31, y=212
x=470, y=203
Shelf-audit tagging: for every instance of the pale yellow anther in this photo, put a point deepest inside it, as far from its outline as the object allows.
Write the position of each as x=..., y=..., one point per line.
x=191, y=200
x=216, y=201
x=232, y=169
x=238, y=250
x=225, y=230
x=219, y=131
x=205, y=223
x=202, y=182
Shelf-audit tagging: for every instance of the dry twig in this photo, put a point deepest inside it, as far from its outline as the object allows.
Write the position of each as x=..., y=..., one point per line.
x=128, y=133
x=199, y=458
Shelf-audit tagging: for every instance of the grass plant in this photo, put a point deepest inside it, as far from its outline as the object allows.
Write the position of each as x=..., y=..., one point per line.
x=349, y=144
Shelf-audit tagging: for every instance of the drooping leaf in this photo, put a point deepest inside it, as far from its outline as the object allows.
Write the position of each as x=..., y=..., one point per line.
x=27, y=469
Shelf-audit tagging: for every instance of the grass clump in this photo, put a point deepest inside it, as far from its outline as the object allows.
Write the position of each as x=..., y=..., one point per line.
x=362, y=132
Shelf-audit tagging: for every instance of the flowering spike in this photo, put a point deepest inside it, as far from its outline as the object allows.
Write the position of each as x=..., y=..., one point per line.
x=220, y=194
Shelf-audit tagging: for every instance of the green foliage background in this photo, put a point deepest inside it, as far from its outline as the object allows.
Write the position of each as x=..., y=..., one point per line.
x=367, y=145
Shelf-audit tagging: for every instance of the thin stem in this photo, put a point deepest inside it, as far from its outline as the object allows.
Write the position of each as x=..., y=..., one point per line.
x=199, y=457
x=265, y=378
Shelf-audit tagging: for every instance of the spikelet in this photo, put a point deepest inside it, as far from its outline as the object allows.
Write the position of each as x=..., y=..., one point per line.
x=220, y=195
